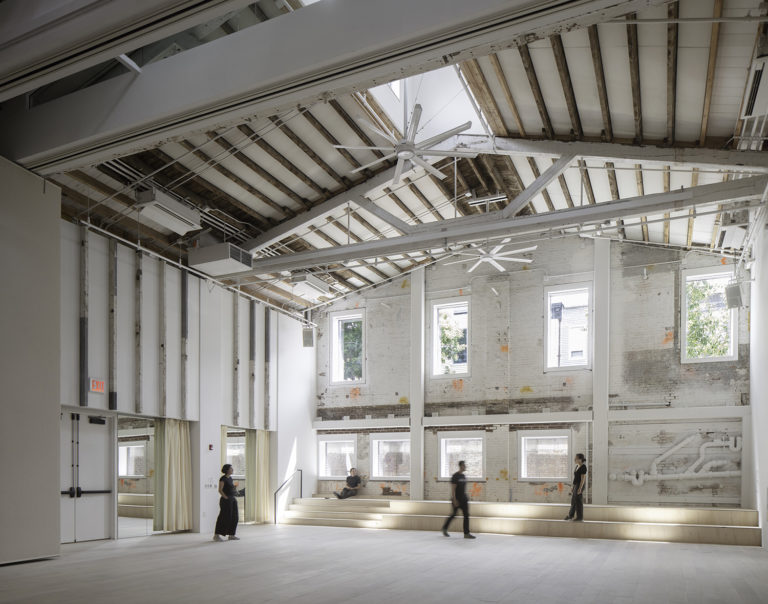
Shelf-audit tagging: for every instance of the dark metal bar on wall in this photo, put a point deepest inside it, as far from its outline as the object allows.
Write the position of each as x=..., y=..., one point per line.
x=83, y=382
x=112, y=325
x=252, y=363
x=184, y=337
x=137, y=332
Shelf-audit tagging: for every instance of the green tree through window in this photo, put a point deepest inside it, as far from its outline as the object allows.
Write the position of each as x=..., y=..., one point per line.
x=352, y=349
x=708, y=329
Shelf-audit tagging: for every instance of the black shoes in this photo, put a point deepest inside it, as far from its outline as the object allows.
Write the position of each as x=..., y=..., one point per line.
x=469, y=536
x=445, y=533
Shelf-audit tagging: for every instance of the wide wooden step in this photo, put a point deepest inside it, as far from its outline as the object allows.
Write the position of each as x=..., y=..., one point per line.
x=687, y=525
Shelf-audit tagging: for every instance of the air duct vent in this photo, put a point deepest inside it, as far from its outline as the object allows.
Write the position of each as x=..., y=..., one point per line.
x=220, y=259
x=167, y=211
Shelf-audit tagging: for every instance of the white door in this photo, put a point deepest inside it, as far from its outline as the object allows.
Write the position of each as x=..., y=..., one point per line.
x=93, y=504
x=86, y=477
x=68, y=478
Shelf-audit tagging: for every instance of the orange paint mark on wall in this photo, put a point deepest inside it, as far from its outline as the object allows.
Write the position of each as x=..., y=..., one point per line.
x=354, y=394
x=560, y=487
x=668, y=337
x=504, y=348
x=458, y=385
x=476, y=489
x=525, y=389
x=403, y=400
x=504, y=474
x=723, y=261
x=461, y=292
x=569, y=380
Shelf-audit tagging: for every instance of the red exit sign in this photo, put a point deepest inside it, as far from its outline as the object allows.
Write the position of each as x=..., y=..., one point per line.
x=97, y=386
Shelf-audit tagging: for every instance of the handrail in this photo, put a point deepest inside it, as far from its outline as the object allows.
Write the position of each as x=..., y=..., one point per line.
x=287, y=480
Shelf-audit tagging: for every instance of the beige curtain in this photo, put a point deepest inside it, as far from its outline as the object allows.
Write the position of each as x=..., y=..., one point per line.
x=173, y=487
x=263, y=495
x=251, y=474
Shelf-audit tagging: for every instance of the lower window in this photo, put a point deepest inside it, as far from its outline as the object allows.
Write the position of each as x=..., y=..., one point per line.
x=468, y=447
x=336, y=455
x=545, y=455
x=391, y=456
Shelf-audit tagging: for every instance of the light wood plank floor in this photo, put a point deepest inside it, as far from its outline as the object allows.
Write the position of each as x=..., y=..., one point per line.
x=308, y=564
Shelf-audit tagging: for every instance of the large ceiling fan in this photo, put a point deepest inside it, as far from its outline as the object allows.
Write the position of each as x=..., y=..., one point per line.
x=409, y=152
x=493, y=256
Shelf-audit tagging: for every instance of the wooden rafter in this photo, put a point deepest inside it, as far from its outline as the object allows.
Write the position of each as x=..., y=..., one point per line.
x=502, y=79
x=691, y=214
x=602, y=91
x=633, y=51
x=641, y=192
x=714, y=41
x=538, y=97
x=565, y=81
x=544, y=192
x=672, y=13
x=614, y=187
x=586, y=182
x=317, y=125
x=480, y=178
x=413, y=188
x=481, y=91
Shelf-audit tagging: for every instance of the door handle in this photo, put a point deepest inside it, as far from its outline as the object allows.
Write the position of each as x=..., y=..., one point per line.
x=70, y=492
x=79, y=492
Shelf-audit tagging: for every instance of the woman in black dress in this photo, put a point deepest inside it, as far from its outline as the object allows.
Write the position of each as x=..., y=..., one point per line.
x=226, y=523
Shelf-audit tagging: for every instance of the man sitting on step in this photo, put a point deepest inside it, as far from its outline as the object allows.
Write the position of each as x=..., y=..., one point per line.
x=353, y=484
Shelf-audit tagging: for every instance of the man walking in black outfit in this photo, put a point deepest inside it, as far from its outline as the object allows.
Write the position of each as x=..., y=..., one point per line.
x=459, y=500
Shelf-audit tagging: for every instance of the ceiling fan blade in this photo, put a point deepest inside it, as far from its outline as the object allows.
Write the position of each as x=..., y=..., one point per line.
x=444, y=136
x=475, y=265
x=362, y=148
x=374, y=162
x=500, y=268
x=414, y=126
x=378, y=131
x=497, y=249
x=428, y=167
x=398, y=171
x=520, y=251
x=454, y=153
x=521, y=260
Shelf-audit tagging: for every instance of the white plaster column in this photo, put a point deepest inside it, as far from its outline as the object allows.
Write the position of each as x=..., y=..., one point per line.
x=416, y=389
x=601, y=291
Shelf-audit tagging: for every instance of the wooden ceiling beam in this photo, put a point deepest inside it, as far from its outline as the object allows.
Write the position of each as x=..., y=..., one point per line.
x=324, y=132
x=633, y=51
x=565, y=80
x=613, y=184
x=473, y=73
x=413, y=188
x=691, y=213
x=544, y=192
x=299, y=142
x=714, y=41
x=282, y=160
x=354, y=126
x=602, y=90
x=586, y=182
x=538, y=97
x=672, y=30
x=641, y=193
x=504, y=83
x=666, y=177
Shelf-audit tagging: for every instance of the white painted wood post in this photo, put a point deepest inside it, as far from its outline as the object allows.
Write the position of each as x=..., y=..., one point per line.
x=416, y=389
x=600, y=370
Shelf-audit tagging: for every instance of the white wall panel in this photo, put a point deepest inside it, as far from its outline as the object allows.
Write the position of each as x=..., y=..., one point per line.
x=244, y=351
x=259, y=365
x=98, y=312
x=226, y=318
x=173, y=341
x=70, y=312
x=150, y=337
x=126, y=329
x=193, y=349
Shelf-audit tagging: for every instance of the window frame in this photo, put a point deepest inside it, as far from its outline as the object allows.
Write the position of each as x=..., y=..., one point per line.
x=523, y=434
x=709, y=271
x=457, y=435
x=435, y=336
x=341, y=437
x=566, y=287
x=374, y=436
x=334, y=318
x=126, y=445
